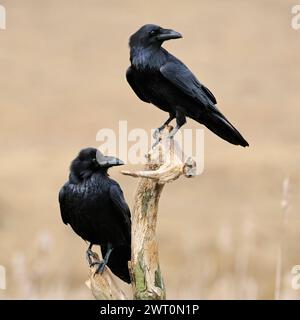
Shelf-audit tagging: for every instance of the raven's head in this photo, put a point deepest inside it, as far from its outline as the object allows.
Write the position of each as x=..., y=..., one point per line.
x=151, y=35
x=89, y=161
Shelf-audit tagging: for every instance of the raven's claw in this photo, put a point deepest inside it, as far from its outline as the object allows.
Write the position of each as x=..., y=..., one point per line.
x=90, y=255
x=100, y=266
x=156, y=133
x=156, y=143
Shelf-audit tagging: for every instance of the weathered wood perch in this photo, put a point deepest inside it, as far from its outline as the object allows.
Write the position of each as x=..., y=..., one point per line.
x=104, y=286
x=165, y=163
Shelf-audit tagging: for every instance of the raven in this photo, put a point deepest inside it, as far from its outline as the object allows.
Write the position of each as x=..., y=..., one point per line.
x=157, y=77
x=94, y=206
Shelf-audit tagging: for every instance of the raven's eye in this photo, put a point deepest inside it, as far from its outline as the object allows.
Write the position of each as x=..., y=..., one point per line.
x=94, y=160
x=153, y=32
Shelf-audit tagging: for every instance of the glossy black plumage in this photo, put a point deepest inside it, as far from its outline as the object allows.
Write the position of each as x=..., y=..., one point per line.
x=159, y=78
x=94, y=206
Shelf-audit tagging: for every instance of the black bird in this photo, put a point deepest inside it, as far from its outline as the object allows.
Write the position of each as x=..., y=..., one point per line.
x=159, y=78
x=94, y=206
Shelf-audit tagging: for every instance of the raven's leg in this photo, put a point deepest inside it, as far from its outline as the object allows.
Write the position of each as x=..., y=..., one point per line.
x=90, y=254
x=156, y=133
x=158, y=130
x=180, y=121
x=103, y=263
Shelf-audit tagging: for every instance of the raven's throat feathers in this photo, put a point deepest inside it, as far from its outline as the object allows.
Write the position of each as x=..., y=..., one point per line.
x=147, y=58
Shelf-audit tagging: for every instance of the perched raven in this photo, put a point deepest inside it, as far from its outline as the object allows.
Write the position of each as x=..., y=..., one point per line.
x=94, y=206
x=159, y=78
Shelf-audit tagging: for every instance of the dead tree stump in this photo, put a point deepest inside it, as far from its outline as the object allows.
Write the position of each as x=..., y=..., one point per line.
x=165, y=163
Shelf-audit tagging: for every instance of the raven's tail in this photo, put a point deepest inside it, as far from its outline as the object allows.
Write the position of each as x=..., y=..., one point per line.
x=218, y=124
x=118, y=261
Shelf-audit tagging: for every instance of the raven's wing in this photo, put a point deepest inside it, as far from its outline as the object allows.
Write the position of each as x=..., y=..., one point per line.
x=209, y=93
x=180, y=76
x=133, y=83
x=62, y=204
x=120, y=205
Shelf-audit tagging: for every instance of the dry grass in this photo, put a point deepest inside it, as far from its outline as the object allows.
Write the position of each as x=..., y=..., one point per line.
x=62, y=79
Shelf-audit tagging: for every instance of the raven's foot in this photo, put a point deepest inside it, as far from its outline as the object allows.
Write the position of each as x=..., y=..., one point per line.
x=100, y=266
x=90, y=256
x=157, y=132
x=157, y=135
x=156, y=143
x=173, y=132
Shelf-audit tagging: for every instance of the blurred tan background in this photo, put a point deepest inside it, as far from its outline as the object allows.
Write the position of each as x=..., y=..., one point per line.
x=62, y=79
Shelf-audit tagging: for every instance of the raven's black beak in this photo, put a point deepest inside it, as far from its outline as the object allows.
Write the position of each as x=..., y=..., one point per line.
x=168, y=34
x=107, y=161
